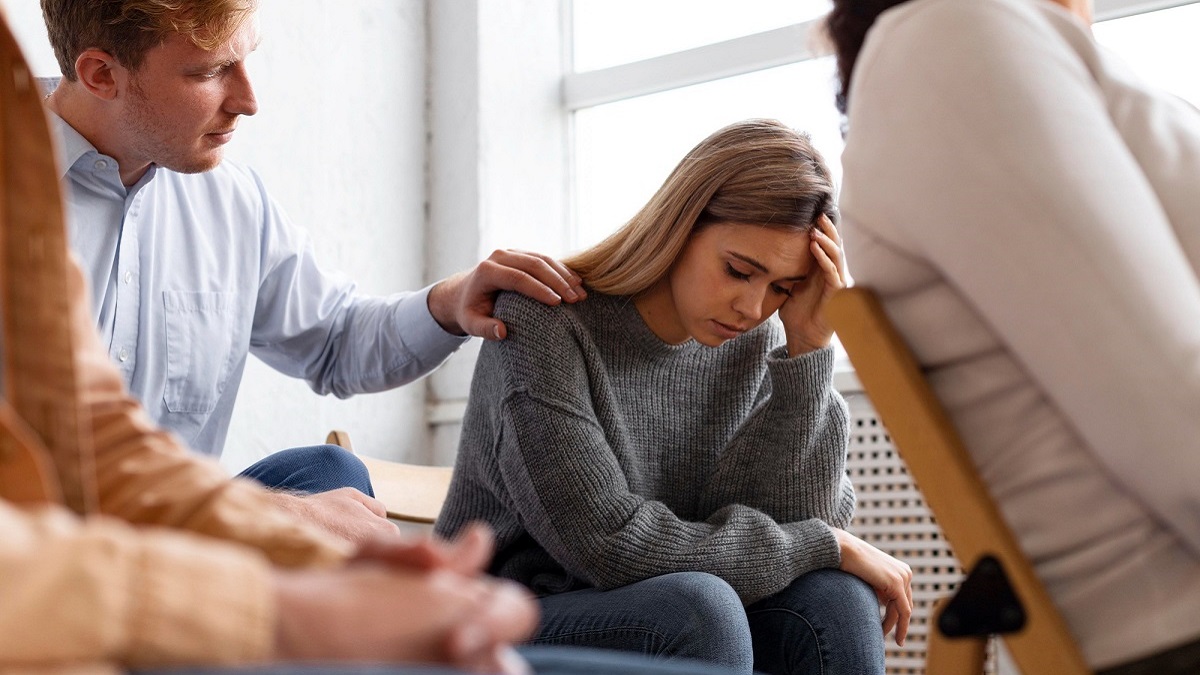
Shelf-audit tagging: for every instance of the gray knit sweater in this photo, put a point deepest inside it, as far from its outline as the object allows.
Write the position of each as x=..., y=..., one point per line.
x=603, y=456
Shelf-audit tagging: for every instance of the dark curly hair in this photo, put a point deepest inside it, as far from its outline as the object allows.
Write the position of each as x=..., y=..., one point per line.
x=847, y=25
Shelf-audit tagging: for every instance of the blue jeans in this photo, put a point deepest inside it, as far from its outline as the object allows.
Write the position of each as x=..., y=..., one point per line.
x=686, y=615
x=545, y=661
x=318, y=468
x=825, y=622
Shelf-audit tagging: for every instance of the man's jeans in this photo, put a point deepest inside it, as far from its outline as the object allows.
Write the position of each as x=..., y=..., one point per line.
x=318, y=468
x=825, y=622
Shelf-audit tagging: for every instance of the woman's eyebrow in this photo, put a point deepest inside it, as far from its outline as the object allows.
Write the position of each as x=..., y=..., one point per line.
x=754, y=263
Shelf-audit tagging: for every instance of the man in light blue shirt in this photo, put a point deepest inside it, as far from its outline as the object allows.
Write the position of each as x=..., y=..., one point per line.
x=193, y=266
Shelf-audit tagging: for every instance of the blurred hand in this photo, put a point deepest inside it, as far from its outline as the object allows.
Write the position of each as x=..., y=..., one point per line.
x=376, y=612
x=468, y=553
x=463, y=304
x=803, y=314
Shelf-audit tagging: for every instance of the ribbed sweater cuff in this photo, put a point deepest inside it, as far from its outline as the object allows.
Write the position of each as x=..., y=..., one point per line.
x=803, y=375
x=815, y=546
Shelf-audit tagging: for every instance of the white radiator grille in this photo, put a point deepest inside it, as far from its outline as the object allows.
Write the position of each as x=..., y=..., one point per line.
x=892, y=516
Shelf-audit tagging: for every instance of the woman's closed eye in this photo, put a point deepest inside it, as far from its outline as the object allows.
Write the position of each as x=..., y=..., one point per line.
x=735, y=273
x=781, y=290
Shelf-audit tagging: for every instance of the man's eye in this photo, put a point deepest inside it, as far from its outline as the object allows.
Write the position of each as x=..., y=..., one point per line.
x=214, y=73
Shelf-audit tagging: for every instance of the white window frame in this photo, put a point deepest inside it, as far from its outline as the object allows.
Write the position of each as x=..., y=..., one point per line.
x=748, y=54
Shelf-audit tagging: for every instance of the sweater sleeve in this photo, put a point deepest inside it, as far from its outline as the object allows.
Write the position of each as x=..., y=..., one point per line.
x=788, y=458
x=573, y=497
x=80, y=591
x=981, y=142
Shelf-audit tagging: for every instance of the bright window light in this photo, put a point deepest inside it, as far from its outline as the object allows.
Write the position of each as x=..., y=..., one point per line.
x=1161, y=47
x=612, y=32
x=625, y=150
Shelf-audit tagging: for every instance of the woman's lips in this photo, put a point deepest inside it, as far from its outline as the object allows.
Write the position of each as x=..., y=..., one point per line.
x=727, y=331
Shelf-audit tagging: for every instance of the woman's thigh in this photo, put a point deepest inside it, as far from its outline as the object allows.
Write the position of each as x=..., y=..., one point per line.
x=825, y=622
x=684, y=615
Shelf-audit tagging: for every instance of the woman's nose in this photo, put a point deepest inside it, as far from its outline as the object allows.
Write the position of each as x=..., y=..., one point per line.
x=749, y=303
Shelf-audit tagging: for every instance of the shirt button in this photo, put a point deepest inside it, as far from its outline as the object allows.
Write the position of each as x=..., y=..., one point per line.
x=128, y=277
x=123, y=355
x=101, y=164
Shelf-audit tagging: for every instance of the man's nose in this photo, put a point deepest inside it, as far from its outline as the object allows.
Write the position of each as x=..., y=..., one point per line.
x=241, y=99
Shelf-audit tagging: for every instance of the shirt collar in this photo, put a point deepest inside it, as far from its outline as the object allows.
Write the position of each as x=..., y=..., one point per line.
x=72, y=145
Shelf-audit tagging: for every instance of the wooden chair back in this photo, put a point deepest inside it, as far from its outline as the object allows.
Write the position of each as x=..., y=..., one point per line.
x=938, y=461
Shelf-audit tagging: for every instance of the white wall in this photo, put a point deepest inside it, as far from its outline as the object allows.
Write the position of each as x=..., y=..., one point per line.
x=340, y=142
x=25, y=19
x=498, y=174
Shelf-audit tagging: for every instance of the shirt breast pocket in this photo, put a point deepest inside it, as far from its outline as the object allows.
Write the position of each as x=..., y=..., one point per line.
x=201, y=334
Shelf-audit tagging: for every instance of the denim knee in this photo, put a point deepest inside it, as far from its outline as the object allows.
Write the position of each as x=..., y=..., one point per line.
x=312, y=469
x=708, y=611
x=687, y=615
x=826, y=621
x=708, y=599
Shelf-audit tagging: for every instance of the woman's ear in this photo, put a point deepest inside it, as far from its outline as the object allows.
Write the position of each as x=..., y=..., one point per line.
x=96, y=70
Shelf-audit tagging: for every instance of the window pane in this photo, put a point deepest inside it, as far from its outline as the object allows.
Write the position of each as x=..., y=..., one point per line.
x=611, y=32
x=1159, y=46
x=625, y=150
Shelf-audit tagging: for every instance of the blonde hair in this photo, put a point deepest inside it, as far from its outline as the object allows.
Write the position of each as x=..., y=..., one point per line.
x=754, y=172
x=127, y=29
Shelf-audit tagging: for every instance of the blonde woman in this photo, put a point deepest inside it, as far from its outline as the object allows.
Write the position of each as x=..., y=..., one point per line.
x=663, y=465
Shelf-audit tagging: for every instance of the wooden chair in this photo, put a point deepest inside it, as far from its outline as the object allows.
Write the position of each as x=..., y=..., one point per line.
x=1001, y=592
x=412, y=493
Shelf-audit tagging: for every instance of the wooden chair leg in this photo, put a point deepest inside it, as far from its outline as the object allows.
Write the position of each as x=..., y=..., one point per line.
x=953, y=656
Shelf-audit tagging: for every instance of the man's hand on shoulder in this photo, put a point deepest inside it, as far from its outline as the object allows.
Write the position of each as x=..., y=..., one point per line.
x=463, y=304
x=345, y=512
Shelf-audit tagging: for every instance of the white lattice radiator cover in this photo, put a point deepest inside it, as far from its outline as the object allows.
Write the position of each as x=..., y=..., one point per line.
x=892, y=516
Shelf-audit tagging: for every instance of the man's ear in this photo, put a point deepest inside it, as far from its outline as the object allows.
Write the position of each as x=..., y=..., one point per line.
x=99, y=73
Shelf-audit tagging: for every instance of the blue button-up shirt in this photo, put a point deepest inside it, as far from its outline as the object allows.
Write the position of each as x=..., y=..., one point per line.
x=191, y=272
